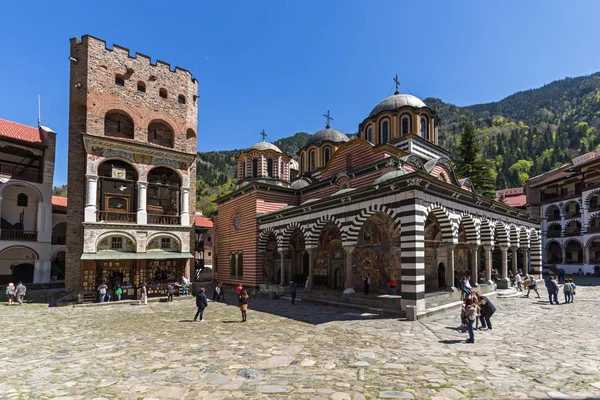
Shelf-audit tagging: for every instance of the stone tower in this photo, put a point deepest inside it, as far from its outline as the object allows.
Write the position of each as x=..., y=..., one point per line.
x=132, y=172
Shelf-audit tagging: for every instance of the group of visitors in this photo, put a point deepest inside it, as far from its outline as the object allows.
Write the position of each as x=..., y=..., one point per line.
x=18, y=292
x=109, y=293
x=476, y=308
x=553, y=287
x=464, y=284
x=219, y=295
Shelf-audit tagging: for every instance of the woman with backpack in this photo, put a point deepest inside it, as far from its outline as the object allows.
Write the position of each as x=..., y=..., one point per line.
x=10, y=292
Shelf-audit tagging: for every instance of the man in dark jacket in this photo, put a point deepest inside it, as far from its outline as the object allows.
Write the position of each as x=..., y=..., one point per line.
x=201, y=303
x=487, y=309
x=552, y=286
x=293, y=290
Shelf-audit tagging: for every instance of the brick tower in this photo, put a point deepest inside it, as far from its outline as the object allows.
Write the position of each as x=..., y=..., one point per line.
x=132, y=172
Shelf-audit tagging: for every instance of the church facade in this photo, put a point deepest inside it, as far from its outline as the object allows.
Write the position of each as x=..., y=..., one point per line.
x=385, y=205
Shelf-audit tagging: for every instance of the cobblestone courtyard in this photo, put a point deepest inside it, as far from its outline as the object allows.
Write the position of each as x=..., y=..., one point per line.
x=302, y=351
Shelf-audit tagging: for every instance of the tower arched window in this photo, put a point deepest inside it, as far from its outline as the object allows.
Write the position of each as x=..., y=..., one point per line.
x=240, y=265
x=232, y=264
x=326, y=155
x=255, y=168
x=270, y=167
x=405, y=124
x=162, y=93
x=22, y=200
x=303, y=163
x=181, y=99
x=119, y=81
x=384, y=129
x=141, y=87
x=424, y=127
x=312, y=162
x=369, y=134
x=281, y=170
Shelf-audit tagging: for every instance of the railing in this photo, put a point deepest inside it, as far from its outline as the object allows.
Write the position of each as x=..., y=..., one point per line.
x=591, y=185
x=59, y=240
x=20, y=171
x=553, y=234
x=157, y=219
x=593, y=228
x=107, y=216
x=573, y=214
x=16, y=234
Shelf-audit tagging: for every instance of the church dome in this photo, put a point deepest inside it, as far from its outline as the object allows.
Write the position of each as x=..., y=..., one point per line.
x=327, y=134
x=300, y=183
x=294, y=165
x=265, y=146
x=396, y=101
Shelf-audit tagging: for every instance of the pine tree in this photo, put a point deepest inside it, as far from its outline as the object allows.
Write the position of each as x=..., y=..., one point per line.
x=468, y=163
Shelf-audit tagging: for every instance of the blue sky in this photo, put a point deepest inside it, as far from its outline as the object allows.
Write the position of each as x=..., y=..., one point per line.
x=279, y=65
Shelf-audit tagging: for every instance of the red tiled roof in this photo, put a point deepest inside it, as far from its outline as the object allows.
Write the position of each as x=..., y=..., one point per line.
x=516, y=201
x=21, y=132
x=204, y=222
x=59, y=204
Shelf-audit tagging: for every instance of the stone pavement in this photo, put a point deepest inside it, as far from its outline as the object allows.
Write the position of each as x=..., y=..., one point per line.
x=298, y=352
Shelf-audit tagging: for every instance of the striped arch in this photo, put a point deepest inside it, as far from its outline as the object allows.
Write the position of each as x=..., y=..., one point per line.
x=588, y=197
x=449, y=230
x=359, y=220
x=502, y=233
x=470, y=228
x=568, y=221
x=523, y=237
x=566, y=204
x=263, y=238
x=313, y=237
x=514, y=235
x=486, y=231
x=550, y=207
x=535, y=253
x=592, y=216
x=287, y=234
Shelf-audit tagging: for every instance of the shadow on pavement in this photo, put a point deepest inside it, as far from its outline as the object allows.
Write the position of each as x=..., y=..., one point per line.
x=452, y=341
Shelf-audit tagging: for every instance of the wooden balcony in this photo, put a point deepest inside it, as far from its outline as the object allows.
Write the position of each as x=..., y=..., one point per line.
x=117, y=217
x=17, y=234
x=20, y=171
x=159, y=219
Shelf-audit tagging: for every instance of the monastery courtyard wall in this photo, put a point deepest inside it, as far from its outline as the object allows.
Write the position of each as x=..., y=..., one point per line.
x=299, y=352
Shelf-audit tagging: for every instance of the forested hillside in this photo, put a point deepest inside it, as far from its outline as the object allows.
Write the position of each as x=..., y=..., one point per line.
x=523, y=135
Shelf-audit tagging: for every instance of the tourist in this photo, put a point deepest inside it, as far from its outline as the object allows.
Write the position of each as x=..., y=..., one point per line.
x=293, y=286
x=109, y=293
x=519, y=281
x=561, y=275
x=184, y=286
x=567, y=291
x=119, y=292
x=10, y=293
x=144, y=293
x=580, y=272
x=102, y=291
x=461, y=287
x=170, y=292
x=552, y=286
x=20, y=293
x=201, y=303
x=218, y=292
x=470, y=313
x=494, y=274
x=487, y=309
x=573, y=287
x=393, y=286
x=243, y=303
x=468, y=289
x=239, y=289
x=532, y=286
x=367, y=281
x=481, y=277
x=511, y=277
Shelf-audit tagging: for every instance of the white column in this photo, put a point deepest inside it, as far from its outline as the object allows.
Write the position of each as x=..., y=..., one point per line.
x=488, y=263
x=474, y=265
x=91, y=198
x=41, y=271
x=311, y=268
x=40, y=217
x=450, y=268
x=586, y=255
x=515, y=263
x=504, y=282
x=142, y=213
x=349, y=281
x=185, y=207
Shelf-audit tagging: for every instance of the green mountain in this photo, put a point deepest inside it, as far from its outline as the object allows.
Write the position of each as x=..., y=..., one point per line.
x=524, y=135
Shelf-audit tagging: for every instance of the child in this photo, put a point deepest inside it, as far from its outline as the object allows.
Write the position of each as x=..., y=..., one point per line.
x=573, y=287
x=243, y=302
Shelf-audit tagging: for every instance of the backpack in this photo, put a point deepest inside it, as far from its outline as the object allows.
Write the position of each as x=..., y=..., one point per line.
x=102, y=289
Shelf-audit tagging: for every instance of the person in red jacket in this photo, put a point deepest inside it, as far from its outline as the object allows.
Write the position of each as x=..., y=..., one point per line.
x=393, y=286
x=239, y=289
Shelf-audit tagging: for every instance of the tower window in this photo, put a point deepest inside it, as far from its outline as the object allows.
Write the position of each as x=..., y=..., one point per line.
x=119, y=80
x=326, y=155
x=385, y=131
x=141, y=87
x=181, y=99
x=370, y=134
x=311, y=159
x=162, y=93
x=22, y=200
x=302, y=163
x=270, y=167
x=405, y=123
x=255, y=168
x=165, y=243
x=424, y=127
